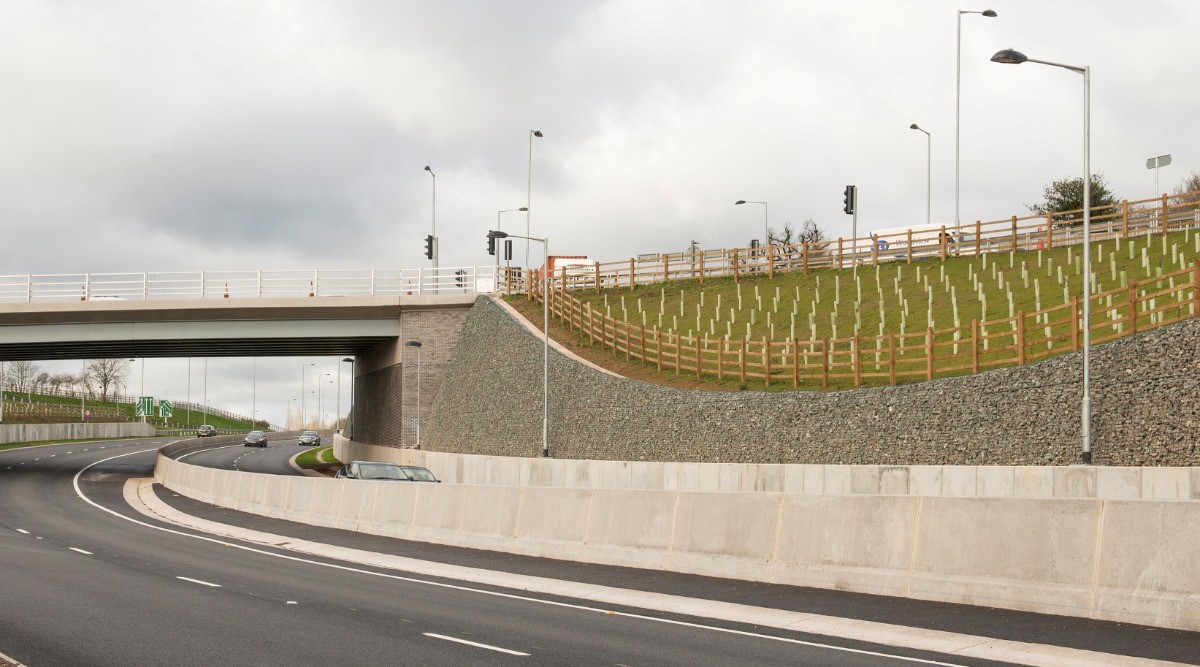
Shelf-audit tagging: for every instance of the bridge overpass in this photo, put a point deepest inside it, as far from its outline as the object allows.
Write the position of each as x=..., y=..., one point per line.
x=365, y=314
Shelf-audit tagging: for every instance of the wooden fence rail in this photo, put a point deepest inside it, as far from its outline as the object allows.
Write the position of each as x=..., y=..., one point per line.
x=1123, y=220
x=892, y=358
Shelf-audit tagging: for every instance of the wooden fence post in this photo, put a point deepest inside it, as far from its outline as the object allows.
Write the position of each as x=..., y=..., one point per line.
x=720, y=360
x=678, y=354
x=701, y=267
x=596, y=267
x=804, y=257
x=875, y=251
x=1020, y=338
x=666, y=267
x=975, y=346
x=632, y=272
x=645, y=358
x=892, y=358
x=839, y=258
x=658, y=349
x=770, y=260
x=1164, y=213
x=766, y=363
x=1074, y=323
x=978, y=224
x=929, y=353
x=628, y=342
x=1013, y=247
x=908, y=252
x=1132, y=298
x=698, y=356
x=795, y=364
x=1124, y=218
x=1196, y=287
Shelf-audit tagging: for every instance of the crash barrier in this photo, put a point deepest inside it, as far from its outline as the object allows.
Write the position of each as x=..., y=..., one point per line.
x=1100, y=482
x=1118, y=560
x=11, y=433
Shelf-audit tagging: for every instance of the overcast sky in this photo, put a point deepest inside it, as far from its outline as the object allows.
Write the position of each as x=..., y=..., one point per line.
x=161, y=135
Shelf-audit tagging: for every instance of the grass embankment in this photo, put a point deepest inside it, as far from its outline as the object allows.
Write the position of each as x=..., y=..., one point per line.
x=894, y=297
x=127, y=412
x=318, y=458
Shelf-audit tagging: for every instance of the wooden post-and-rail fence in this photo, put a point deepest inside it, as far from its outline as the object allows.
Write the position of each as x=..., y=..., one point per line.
x=894, y=357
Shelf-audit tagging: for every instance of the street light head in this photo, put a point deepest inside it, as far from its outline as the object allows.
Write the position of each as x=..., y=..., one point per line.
x=739, y=202
x=989, y=13
x=497, y=234
x=348, y=360
x=1009, y=57
x=913, y=127
x=523, y=208
x=412, y=343
x=537, y=133
x=428, y=169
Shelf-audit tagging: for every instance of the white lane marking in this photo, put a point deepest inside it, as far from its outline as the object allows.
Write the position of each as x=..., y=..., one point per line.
x=197, y=581
x=85, y=553
x=22, y=531
x=200, y=451
x=475, y=644
x=478, y=591
x=54, y=455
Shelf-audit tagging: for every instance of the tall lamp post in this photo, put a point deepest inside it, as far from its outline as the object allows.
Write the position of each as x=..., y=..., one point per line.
x=957, y=113
x=928, y=168
x=416, y=344
x=1011, y=57
x=766, y=223
x=2, y=376
x=433, y=224
x=347, y=360
x=545, y=336
x=304, y=395
x=529, y=191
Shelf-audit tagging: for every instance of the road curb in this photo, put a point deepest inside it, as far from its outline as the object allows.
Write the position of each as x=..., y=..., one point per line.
x=302, y=471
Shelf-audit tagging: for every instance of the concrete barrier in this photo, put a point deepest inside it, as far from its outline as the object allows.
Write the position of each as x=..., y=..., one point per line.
x=1129, y=560
x=1150, y=483
x=12, y=433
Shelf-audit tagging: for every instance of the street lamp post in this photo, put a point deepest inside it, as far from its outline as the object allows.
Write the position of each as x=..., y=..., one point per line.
x=545, y=336
x=433, y=224
x=766, y=222
x=1011, y=57
x=928, y=169
x=304, y=395
x=143, y=389
x=957, y=113
x=2, y=377
x=204, y=414
x=350, y=361
x=416, y=344
x=253, y=392
x=529, y=192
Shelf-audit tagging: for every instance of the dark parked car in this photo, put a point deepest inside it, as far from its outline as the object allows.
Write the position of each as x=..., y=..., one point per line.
x=309, y=438
x=379, y=470
x=206, y=431
x=256, y=439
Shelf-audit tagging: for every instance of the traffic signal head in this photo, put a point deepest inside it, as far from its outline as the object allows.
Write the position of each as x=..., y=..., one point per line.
x=491, y=244
x=850, y=199
x=429, y=246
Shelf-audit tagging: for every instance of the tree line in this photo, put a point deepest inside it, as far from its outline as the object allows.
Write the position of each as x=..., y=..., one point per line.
x=97, y=378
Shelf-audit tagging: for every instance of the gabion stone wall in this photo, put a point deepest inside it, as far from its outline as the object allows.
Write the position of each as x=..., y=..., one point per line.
x=1146, y=410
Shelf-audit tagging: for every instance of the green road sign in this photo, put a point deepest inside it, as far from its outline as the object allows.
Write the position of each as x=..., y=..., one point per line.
x=165, y=409
x=145, y=406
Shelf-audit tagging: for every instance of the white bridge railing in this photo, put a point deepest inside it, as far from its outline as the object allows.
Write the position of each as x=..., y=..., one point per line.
x=247, y=284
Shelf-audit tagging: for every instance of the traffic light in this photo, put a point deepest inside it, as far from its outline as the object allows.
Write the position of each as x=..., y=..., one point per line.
x=491, y=244
x=850, y=199
x=429, y=247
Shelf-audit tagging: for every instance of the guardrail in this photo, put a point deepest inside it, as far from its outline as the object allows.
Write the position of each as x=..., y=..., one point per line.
x=246, y=284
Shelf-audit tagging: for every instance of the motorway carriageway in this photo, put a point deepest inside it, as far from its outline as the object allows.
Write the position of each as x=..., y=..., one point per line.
x=89, y=580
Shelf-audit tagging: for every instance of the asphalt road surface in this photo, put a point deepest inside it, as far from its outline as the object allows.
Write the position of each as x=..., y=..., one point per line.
x=88, y=581
x=272, y=459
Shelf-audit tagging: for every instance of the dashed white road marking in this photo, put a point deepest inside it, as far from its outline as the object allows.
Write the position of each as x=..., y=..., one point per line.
x=22, y=531
x=85, y=553
x=475, y=644
x=197, y=581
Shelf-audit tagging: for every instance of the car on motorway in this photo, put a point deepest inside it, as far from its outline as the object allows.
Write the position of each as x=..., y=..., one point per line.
x=255, y=439
x=206, y=431
x=309, y=438
x=384, y=471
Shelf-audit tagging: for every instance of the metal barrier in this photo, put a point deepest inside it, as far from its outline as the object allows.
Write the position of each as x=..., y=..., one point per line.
x=247, y=284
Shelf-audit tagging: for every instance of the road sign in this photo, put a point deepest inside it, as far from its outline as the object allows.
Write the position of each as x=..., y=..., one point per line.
x=145, y=406
x=165, y=409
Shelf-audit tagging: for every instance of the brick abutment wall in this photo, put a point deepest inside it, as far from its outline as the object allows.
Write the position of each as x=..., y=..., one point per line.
x=1146, y=409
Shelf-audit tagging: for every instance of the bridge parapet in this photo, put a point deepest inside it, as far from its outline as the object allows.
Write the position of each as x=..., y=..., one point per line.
x=247, y=284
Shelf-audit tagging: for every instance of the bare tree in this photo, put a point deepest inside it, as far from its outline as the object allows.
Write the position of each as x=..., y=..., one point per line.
x=792, y=241
x=41, y=381
x=60, y=381
x=20, y=375
x=1190, y=187
x=108, y=374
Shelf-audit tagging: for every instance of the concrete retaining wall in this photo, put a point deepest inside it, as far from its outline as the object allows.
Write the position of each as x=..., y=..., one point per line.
x=1144, y=391
x=1120, y=560
x=39, y=432
x=1101, y=482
